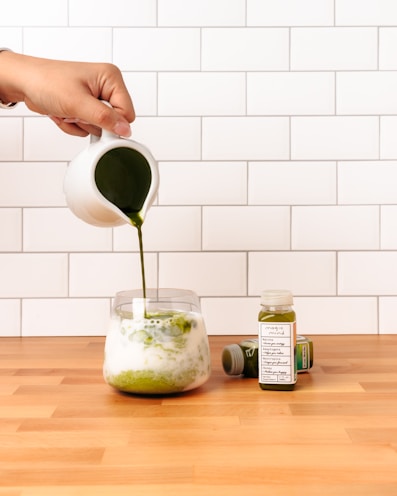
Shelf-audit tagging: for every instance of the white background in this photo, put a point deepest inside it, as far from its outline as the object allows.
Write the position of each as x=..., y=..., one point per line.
x=275, y=126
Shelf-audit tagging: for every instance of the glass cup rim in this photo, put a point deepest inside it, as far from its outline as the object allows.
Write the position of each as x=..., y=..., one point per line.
x=158, y=295
x=153, y=292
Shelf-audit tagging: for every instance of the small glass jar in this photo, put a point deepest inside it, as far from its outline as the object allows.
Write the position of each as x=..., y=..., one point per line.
x=277, y=341
x=157, y=344
x=242, y=358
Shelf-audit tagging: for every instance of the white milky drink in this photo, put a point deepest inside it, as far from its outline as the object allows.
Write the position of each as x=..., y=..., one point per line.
x=158, y=352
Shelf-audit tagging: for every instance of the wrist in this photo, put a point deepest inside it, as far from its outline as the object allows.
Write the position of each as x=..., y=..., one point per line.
x=5, y=101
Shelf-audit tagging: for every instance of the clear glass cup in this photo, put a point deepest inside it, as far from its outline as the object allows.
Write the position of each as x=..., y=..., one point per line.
x=157, y=344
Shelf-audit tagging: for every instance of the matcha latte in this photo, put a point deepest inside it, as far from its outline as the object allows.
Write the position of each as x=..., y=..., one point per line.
x=156, y=352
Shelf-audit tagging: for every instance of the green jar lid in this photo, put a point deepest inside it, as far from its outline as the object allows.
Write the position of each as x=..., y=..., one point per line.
x=233, y=359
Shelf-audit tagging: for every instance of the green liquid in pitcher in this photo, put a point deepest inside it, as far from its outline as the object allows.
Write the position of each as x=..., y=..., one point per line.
x=123, y=176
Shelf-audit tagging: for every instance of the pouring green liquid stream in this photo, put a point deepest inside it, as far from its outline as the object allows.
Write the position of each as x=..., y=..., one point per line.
x=136, y=220
x=123, y=176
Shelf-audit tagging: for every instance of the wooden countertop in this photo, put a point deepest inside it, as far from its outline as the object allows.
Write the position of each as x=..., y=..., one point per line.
x=64, y=432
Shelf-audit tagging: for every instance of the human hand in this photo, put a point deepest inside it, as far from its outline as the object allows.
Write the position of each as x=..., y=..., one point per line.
x=69, y=92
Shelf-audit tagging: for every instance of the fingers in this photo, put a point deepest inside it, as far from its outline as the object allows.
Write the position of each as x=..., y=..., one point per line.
x=102, y=116
x=77, y=127
x=85, y=126
x=73, y=128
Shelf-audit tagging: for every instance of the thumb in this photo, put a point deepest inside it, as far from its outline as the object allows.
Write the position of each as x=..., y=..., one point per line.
x=101, y=114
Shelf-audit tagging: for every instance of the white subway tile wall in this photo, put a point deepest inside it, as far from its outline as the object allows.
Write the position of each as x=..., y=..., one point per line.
x=11, y=229
x=272, y=235
x=10, y=322
x=334, y=138
x=81, y=44
x=58, y=145
x=86, y=316
x=274, y=123
x=167, y=228
x=11, y=132
x=387, y=37
x=334, y=49
x=58, y=230
x=33, y=275
x=31, y=184
x=170, y=138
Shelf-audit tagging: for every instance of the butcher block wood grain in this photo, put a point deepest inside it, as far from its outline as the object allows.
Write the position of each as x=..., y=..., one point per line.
x=64, y=432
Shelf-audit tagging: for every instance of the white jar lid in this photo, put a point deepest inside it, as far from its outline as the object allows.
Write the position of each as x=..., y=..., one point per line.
x=275, y=297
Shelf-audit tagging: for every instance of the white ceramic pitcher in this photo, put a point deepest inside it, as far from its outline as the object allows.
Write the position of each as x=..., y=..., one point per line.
x=111, y=177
